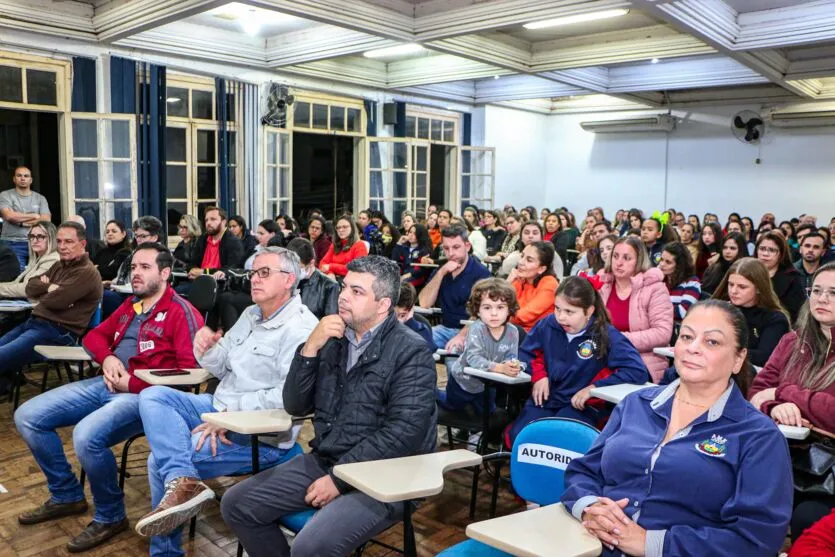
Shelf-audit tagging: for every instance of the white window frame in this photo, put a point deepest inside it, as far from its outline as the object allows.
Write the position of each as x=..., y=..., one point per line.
x=481, y=201
x=278, y=204
x=332, y=102
x=412, y=201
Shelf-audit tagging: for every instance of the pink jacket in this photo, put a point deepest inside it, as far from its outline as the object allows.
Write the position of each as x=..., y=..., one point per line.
x=650, y=316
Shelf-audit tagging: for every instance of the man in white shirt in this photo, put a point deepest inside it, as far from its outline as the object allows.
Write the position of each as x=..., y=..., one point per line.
x=21, y=208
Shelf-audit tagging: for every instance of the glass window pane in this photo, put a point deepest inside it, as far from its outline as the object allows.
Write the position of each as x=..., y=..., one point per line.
x=465, y=186
x=397, y=210
x=176, y=99
x=90, y=212
x=271, y=148
x=175, y=180
x=449, y=132
x=399, y=155
x=175, y=144
x=116, y=139
x=11, y=84
x=354, y=120
x=201, y=104
x=301, y=115
x=203, y=205
x=411, y=125
x=284, y=208
x=41, y=87
x=376, y=154
x=272, y=182
x=400, y=184
x=230, y=107
x=116, y=177
x=420, y=184
x=284, y=148
x=420, y=209
x=338, y=118
x=206, y=146
x=284, y=182
x=436, y=129
x=86, y=180
x=376, y=183
x=84, y=138
x=320, y=116
x=119, y=210
x=466, y=161
x=206, y=182
x=176, y=210
x=423, y=128
x=232, y=142
x=421, y=154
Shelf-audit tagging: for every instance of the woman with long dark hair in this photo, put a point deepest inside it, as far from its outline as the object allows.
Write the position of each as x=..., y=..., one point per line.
x=410, y=249
x=732, y=248
x=773, y=251
x=535, y=284
x=116, y=249
x=345, y=248
x=680, y=278
x=238, y=228
x=709, y=240
x=318, y=236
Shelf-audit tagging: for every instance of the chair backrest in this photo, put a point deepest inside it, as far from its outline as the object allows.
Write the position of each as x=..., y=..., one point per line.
x=95, y=319
x=203, y=293
x=542, y=452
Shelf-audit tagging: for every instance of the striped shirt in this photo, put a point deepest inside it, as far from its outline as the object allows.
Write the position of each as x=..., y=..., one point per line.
x=685, y=295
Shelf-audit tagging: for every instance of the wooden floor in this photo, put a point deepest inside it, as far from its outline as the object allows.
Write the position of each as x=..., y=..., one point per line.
x=439, y=522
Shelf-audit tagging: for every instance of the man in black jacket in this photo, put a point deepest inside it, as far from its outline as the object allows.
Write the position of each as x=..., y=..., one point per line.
x=319, y=293
x=217, y=250
x=370, y=382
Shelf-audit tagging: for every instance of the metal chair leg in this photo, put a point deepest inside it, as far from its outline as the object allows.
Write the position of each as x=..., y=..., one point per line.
x=449, y=437
x=82, y=477
x=44, y=378
x=18, y=379
x=409, y=543
x=123, y=468
x=495, y=495
x=474, y=494
x=192, y=528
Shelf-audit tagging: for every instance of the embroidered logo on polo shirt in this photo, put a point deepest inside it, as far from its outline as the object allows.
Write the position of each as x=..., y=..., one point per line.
x=160, y=316
x=716, y=446
x=586, y=349
x=656, y=258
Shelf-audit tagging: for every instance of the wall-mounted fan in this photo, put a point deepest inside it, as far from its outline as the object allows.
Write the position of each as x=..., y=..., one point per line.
x=748, y=127
x=278, y=99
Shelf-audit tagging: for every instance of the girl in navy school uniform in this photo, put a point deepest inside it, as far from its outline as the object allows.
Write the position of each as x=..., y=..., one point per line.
x=691, y=468
x=566, y=353
x=655, y=233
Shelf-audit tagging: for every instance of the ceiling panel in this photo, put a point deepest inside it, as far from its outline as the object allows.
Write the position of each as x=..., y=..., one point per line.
x=230, y=17
x=632, y=20
x=743, y=6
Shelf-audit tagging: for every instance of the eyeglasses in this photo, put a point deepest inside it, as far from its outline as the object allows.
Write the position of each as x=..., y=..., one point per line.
x=264, y=272
x=768, y=249
x=818, y=293
x=141, y=236
x=37, y=237
x=183, y=227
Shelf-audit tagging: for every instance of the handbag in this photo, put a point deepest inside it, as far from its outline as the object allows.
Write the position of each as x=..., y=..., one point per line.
x=813, y=468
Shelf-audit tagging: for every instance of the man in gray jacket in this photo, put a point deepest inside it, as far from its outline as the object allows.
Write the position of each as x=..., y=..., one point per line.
x=370, y=382
x=252, y=361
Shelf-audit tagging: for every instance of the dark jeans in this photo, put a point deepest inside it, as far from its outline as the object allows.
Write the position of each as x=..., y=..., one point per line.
x=17, y=346
x=252, y=509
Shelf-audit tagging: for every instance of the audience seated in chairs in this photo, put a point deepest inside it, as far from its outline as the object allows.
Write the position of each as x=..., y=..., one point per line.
x=237, y=226
x=405, y=310
x=747, y=286
x=252, y=361
x=216, y=251
x=535, y=284
x=719, y=471
x=154, y=329
x=67, y=295
x=773, y=251
x=43, y=254
x=370, y=383
x=679, y=277
x=116, y=249
x=450, y=286
x=412, y=248
x=531, y=233
x=347, y=246
x=319, y=293
x=732, y=249
x=570, y=352
x=598, y=231
x=188, y=229
x=318, y=236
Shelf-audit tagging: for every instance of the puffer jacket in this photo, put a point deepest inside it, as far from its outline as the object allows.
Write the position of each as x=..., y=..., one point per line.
x=320, y=294
x=383, y=408
x=650, y=316
x=17, y=288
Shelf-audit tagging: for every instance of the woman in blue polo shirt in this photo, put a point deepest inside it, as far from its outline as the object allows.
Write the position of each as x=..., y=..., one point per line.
x=665, y=477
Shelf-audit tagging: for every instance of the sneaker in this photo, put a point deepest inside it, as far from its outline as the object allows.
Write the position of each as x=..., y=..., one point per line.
x=51, y=510
x=96, y=534
x=183, y=499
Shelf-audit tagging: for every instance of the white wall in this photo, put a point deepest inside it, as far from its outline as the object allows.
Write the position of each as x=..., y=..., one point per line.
x=699, y=167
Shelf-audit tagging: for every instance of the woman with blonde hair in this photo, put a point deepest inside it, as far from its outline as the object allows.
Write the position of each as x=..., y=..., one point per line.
x=748, y=286
x=189, y=229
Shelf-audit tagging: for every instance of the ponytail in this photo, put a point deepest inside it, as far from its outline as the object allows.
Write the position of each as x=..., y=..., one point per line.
x=581, y=292
x=601, y=325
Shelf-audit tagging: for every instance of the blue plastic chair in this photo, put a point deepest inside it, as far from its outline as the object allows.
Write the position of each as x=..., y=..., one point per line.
x=538, y=459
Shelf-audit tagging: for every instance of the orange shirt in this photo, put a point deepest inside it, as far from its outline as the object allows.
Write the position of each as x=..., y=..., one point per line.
x=535, y=302
x=435, y=236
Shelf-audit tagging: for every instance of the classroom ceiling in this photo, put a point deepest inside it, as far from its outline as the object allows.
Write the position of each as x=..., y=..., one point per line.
x=652, y=52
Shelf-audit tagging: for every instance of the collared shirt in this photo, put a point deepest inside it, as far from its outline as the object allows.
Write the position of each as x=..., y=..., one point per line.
x=129, y=345
x=357, y=347
x=720, y=486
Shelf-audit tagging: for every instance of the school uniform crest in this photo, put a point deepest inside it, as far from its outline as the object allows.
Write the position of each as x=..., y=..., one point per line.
x=716, y=446
x=586, y=349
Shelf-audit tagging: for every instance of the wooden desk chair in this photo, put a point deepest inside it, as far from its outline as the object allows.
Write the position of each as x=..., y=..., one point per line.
x=535, y=479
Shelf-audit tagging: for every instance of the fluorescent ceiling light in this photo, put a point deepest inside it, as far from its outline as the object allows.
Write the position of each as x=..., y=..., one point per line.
x=579, y=18
x=399, y=50
x=250, y=23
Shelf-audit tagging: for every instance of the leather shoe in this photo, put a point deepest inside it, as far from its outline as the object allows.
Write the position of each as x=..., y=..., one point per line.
x=51, y=510
x=96, y=534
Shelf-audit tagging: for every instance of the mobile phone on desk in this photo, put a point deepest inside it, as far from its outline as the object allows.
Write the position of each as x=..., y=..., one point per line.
x=169, y=372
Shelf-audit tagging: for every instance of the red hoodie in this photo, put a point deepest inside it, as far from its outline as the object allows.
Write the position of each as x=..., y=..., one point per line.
x=816, y=406
x=165, y=340
x=817, y=541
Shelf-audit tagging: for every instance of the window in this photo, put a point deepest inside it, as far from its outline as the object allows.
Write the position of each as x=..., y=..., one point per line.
x=277, y=168
x=436, y=128
x=28, y=81
x=398, y=177
x=325, y=114
x=477, y=176
x=104, y=169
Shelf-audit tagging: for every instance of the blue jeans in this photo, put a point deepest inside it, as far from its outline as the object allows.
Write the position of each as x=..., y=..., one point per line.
x=101, y=419
x=169, y=416
x=441, y=335
x=17, y=346
x=21, y=250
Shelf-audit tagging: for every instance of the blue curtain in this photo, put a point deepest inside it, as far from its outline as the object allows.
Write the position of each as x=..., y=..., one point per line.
x=83, y=84
x=400, y=126
x=467, y=134
x=371, y=117
x=226, y=196
x=122, y=85
x=153, y=192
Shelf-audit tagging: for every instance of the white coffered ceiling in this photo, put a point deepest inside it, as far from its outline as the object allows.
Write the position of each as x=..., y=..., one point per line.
x=477, y=51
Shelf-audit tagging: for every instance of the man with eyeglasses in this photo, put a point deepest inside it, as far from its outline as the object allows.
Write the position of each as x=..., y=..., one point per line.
x=252, y=362
x=21, y=208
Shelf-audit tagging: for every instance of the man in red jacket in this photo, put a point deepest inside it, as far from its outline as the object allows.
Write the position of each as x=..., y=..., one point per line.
x=153, y=329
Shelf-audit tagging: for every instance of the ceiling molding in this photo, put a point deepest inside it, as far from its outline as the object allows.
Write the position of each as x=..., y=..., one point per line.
x=487, y=50
x=518, y=87
x=361, y=71
x=682, y=74
x=437, y=69
x=592, y=79
x=320, y=43
x=791, y=26
x=461, y=91
x=114, y=22
x=539, y=106
x=70, y=20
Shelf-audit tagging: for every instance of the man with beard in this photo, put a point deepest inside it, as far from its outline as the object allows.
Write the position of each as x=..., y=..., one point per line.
x=216, y=251
x=153, y=329
x=812, y=250
x=252, y=361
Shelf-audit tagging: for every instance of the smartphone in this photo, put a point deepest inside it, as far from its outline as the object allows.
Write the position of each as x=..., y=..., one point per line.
x=169, y=372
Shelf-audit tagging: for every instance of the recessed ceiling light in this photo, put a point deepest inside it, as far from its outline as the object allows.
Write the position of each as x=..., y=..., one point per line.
x=250, y=23
x=495, y=77
x=579, y=18
x=399, y=50
x=655, y=60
